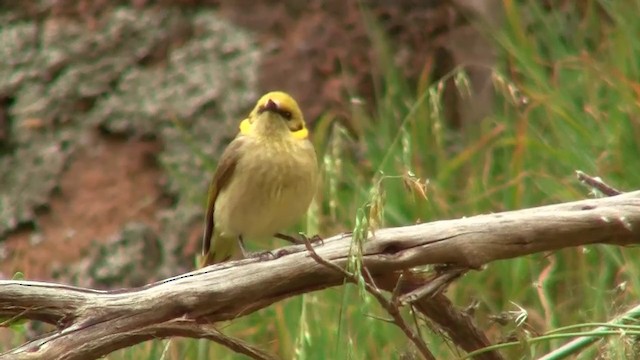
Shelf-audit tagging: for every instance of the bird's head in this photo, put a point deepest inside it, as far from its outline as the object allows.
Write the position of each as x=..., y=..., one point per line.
x=276, y=114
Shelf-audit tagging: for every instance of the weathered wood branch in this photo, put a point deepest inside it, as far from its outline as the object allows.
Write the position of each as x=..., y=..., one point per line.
x=93, y=323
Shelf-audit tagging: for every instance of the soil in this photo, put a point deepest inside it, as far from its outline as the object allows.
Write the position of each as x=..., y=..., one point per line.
x=109, y=183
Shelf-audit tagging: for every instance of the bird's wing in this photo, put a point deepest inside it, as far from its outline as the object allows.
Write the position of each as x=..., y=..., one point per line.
x=221, y=178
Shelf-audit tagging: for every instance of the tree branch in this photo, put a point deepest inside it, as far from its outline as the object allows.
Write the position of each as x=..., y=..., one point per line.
x=93, y=323
x=392, y=306
x=597, y=184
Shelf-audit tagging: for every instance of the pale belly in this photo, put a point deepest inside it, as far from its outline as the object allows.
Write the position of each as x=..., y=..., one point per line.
x=266, y=195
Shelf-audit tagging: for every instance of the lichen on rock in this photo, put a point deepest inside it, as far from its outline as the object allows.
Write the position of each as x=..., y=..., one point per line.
x=180, y=77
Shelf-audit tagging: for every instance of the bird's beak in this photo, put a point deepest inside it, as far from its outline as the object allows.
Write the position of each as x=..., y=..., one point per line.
x=271, y=106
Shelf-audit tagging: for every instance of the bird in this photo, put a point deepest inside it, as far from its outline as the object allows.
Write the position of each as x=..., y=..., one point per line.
x=264, y=182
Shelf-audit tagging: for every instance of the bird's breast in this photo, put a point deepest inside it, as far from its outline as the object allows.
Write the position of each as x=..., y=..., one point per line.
x=272, y=187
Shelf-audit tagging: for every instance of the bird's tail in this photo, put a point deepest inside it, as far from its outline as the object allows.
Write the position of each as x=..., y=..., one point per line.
x=224, y=249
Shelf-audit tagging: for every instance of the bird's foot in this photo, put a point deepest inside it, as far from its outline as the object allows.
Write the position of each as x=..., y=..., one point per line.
x=262, y=255
x=268, y=255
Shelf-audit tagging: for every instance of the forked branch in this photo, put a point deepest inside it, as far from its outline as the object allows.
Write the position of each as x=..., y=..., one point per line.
x=94, y=323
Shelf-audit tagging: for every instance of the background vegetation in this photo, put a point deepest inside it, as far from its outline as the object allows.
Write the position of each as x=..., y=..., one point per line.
x=567, y=85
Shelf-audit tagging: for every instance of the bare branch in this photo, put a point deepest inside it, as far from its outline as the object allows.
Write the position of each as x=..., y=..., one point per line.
x=93, y=323
x=456, y=324
x=392, y=308
x=597, y=183
x=437, y=284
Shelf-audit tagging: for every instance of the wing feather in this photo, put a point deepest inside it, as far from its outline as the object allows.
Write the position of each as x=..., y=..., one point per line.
x=221, y=178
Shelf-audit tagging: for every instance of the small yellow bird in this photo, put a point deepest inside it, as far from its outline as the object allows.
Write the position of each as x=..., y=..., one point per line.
x=264, y=182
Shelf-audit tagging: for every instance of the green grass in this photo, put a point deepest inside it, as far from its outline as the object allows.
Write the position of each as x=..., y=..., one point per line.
x=567, y=98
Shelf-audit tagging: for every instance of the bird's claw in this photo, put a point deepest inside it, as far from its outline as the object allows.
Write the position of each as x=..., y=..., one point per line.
x=269, y=255
x=263, y=255
x=313, y=240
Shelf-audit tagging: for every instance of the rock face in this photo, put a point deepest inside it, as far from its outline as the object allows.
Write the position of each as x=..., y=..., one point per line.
x=174, y=77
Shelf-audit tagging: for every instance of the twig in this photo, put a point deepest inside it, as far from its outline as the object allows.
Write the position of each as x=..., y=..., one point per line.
x=391, y=308
x=208, y=331
x=434, y=286
x=396, y=290
x=457, y=324
x=597, y=183
x=176, y=327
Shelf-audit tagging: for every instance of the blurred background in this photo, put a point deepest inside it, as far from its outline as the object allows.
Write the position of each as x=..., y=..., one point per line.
x=113, y=114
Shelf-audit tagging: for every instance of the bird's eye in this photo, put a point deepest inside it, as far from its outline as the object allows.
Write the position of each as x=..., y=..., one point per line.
x=286, y=115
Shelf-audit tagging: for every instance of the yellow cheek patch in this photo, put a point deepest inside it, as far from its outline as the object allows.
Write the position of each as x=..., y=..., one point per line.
x=245, y=127
x=301, y=134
